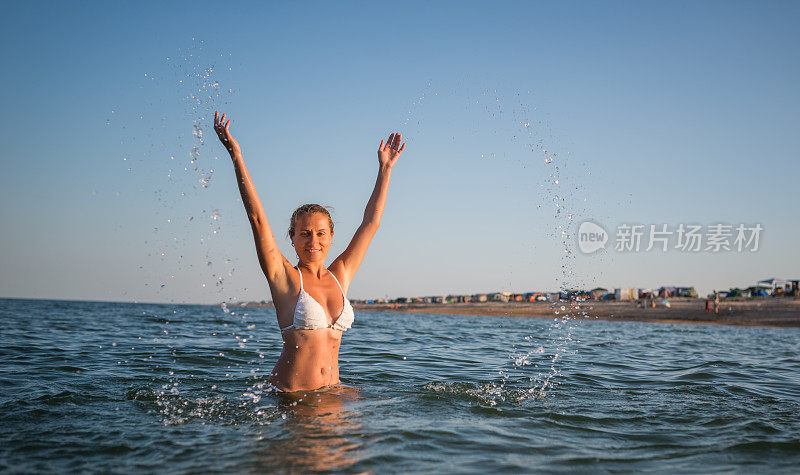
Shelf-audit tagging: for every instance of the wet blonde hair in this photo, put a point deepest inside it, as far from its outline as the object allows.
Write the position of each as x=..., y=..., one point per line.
x=305, y=209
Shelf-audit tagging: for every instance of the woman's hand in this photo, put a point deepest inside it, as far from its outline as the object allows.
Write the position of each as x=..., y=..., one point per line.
x=223, y=132
x=389, y=153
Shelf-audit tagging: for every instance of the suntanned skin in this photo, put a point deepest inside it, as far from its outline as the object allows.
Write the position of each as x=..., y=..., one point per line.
x=310, y=358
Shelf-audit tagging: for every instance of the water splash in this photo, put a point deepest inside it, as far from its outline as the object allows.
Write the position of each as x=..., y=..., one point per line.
x=192, y=76
x=532, y=360
x=197, y=132
x=204, y=405
x=524, y=140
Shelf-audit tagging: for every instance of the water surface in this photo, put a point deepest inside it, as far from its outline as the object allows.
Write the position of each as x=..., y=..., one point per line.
x=112, y=387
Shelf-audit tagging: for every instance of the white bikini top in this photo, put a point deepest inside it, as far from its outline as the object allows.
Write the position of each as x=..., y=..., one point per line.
x=309, y=314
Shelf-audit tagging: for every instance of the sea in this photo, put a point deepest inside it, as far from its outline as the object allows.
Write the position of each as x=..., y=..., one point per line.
x=145, y=388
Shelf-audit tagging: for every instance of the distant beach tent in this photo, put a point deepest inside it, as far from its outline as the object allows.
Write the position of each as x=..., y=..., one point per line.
x=670, y=291
x=457, y=298
x=625, y=294
x=773, y=286
x=687, y=292
x=598, y=293
x=500, y=296
x=666, y=291
x=535, y=297
x=644, y=294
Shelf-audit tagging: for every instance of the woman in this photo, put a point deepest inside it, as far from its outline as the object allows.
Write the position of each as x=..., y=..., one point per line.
x=310, y=300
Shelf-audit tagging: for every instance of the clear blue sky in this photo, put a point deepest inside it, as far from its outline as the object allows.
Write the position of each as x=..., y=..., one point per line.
x=658, y=113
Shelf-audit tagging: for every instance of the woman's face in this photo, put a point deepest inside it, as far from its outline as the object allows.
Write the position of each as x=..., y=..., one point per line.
x=312, y=237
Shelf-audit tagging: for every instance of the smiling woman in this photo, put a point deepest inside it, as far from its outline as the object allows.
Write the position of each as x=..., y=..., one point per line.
x=308, y=295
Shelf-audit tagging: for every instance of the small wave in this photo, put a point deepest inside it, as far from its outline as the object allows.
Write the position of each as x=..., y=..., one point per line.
x=762, y=446
x=64, y=397
x=141, y=394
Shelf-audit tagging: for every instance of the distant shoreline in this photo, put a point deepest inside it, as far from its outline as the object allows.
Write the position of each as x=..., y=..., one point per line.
x=766, y=312
x=761, y=312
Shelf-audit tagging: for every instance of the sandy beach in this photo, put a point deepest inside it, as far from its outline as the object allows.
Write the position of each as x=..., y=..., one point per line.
x=769, y=312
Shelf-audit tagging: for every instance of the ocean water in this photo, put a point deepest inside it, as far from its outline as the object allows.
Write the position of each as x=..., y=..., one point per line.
x=112, y=387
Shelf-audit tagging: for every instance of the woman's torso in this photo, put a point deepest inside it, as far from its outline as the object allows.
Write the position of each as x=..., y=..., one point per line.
x=310, y=358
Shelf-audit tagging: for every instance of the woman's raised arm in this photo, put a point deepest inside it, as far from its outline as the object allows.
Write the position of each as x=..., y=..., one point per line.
x=348, y=262
x=269, y=256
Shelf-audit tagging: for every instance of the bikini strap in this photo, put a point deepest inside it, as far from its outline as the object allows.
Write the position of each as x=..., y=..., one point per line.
x=329, y=272
x=337, y=282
